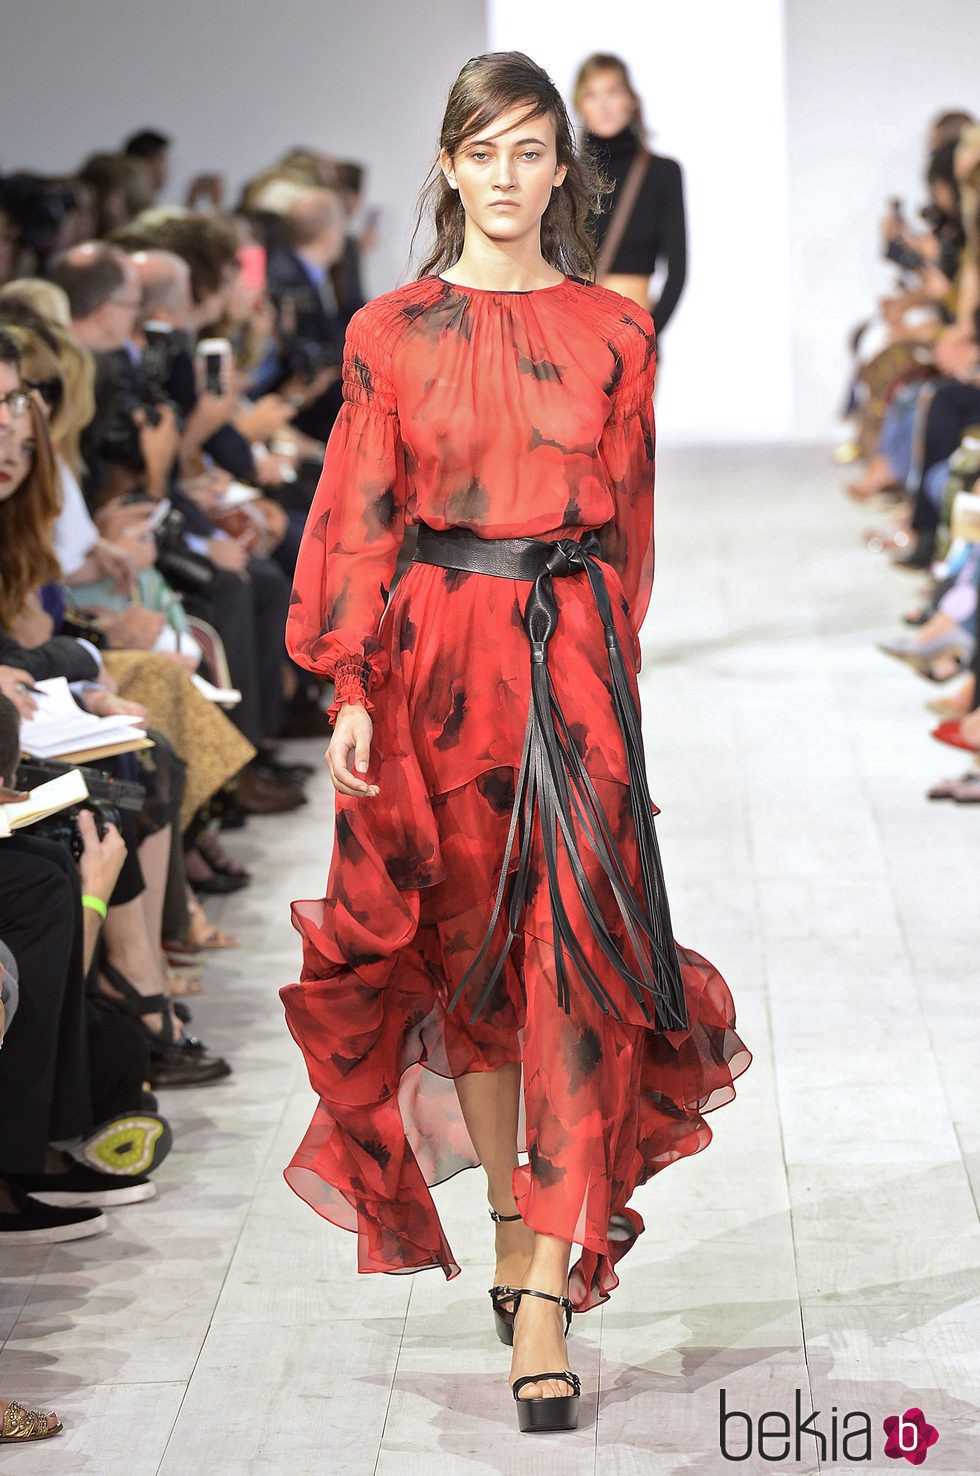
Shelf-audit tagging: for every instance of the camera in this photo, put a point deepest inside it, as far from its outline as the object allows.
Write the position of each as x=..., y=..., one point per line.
x=903, y=256
x=138, y=387
x=163, y=345
x=303, y=358
x=124, y=794
x=63, y=827
x=37, y=207
x=187, y=572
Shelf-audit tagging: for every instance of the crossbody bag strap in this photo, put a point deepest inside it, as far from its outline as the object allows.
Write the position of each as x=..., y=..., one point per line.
x=623, y=211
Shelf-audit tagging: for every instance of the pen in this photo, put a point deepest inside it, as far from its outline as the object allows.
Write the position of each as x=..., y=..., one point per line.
x=34, y=691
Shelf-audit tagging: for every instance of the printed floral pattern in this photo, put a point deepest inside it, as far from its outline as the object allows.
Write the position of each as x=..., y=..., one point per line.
x=515, y=415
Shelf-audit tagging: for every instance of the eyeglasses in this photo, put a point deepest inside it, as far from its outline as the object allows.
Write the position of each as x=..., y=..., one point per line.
x=52, y=391
x=18, y=402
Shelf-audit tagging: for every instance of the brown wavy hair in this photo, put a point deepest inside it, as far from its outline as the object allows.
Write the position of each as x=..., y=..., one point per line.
x=27, y=517
x=486, y=88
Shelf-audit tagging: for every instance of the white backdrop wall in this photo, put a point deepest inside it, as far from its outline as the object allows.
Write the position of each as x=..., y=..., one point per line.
x=236, y=83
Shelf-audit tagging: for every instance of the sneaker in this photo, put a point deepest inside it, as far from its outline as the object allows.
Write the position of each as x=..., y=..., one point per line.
x=133, y=1144
x=33, y=1223
x=80, y=1186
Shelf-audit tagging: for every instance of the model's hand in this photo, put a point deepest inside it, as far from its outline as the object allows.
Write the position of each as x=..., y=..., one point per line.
x=350, y=749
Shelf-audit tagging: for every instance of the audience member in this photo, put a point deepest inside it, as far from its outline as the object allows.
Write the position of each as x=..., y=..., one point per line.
x=915, y=404
x=152, y=492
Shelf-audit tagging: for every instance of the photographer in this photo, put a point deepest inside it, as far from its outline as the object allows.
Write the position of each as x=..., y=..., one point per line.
x=39, y=216
x=133, y=438
x=60, y=1073
x=311, y=323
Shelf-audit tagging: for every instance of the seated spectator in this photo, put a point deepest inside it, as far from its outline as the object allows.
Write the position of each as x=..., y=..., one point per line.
x=916, y=405
x=152, y=149
x=51, y=1087
x=359, y=237
x=28, y=506
x=121, y=187
x=311, y=322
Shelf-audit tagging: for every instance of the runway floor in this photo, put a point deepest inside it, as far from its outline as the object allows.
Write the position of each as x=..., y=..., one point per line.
x=826, y=1242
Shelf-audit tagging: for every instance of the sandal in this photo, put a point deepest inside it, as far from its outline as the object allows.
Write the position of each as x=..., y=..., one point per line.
x=20, y=1424
x=137, y=1005
x=202, y=936
x=554, y=1411
x=503, y=1317
x=209, y=846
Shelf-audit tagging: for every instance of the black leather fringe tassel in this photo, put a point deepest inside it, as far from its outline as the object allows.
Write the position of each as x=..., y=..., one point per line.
x=553, y=778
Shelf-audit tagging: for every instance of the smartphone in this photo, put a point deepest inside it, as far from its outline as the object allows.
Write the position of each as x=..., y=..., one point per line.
x=214, y=354
x=158, y=515
x=157, y=353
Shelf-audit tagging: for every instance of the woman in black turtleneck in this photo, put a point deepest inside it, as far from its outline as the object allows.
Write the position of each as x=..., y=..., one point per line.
x=611, y=111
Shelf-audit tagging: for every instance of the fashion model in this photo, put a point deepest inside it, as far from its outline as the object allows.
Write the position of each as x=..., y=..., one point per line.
x=495, y=933
x=642, y=219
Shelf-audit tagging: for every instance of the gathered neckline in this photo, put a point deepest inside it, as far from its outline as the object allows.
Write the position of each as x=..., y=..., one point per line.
x=503, y=291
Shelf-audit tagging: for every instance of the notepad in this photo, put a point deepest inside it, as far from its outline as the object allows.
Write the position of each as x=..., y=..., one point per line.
x=60, y=726
x=47, y=799
x=220, y=696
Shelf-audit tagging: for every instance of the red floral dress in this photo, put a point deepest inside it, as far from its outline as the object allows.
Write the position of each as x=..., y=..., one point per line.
x=514, y=414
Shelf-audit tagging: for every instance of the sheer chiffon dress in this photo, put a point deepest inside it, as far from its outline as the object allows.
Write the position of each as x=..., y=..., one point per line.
x=513, y=414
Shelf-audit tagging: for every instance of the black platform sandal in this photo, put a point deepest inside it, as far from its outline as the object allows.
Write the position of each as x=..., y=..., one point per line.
x=176, y=1060
x=503, y=1317
x=554, y=1411
x=136, y=1005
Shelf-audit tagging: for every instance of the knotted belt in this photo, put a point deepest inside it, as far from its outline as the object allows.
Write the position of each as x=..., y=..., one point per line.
x=553, y=775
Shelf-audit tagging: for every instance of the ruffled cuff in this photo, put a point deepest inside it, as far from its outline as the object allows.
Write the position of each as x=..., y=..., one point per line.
x=351, y=677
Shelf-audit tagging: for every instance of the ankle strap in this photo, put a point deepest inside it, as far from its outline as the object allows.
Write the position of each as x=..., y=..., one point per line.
x=526, y=1291
x=500, y=1218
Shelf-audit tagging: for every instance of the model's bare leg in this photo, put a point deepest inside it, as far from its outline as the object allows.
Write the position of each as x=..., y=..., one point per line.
x=539, y=1327
x=490, y=1101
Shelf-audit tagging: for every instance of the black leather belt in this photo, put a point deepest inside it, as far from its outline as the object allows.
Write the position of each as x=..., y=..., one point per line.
x=553, y=774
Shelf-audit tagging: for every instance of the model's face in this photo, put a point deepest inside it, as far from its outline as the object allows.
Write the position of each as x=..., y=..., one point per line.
x=505, y=175
x=606, y=105
x=16, y=457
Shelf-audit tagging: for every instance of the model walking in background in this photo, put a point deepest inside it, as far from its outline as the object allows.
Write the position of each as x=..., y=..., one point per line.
x=466, y=952
x=642, y=220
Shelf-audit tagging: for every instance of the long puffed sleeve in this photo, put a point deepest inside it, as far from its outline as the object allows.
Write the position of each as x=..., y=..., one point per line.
x=627, y=449
x=354, y=531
